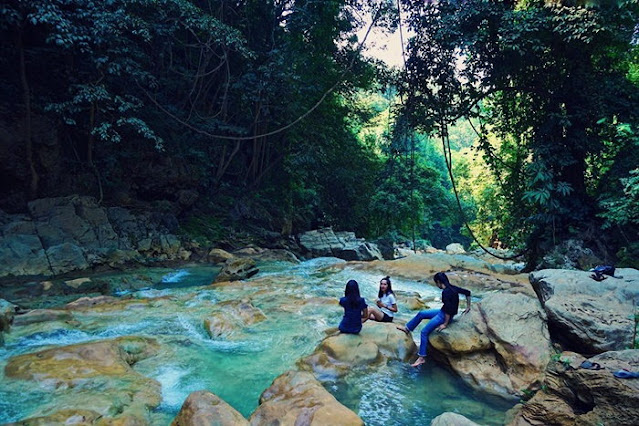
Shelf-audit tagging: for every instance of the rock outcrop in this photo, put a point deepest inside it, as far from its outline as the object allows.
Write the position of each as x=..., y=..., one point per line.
x=585, y=315
x=502, y=346
x=344, y=245
x=65, y=234
x=297, y=398
x=577, y=396
x=377, y=343
x=203, y=408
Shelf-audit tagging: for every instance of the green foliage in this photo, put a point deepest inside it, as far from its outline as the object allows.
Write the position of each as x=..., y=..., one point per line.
x=538, y=79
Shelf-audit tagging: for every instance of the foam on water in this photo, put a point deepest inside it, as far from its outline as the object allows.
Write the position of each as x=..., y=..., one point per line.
x=175, y=277
x=60, y=337
x=173, y=391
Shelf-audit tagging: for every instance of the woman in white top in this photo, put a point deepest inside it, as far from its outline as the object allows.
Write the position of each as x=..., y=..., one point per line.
x=386, y=302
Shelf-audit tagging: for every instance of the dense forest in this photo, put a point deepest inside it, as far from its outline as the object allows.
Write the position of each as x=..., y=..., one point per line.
x=514, y=120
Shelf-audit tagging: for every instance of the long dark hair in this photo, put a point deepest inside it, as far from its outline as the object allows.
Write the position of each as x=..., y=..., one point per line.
x=351, y=292
x=442, y=278
x=380, y=294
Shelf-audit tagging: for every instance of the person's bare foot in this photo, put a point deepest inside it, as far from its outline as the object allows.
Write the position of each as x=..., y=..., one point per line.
x=402, y=328
x=421, y=360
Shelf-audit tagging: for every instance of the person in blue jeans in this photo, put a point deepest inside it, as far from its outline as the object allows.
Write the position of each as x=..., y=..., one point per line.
x=439, y=318
x=355, y=309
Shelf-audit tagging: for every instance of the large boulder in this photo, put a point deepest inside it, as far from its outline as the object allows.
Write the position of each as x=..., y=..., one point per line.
x=377, y=343
x=502, y=346
x=297, y=398
x=585, y=315
x=236, y=269
x=577, y=396
x=344, y=245
x=203, y=408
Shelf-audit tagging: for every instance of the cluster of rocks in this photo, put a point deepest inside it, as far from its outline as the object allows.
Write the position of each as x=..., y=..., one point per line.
x=65, y=234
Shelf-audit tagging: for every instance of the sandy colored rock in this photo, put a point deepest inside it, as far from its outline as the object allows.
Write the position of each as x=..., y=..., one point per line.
x=243, y=311
x=63, y=417
x=203, y=408
x=462, y=270
x=378, y=342
x=106, y=362
x=42, y=315
x=502, y=346
x=237, y=269
x=297, y=398
x=217, y=255
x=451, y=419
x=219, y=324
x=77, y=282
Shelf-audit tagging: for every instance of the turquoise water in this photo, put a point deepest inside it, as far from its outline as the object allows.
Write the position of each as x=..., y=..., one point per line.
x=299, y=302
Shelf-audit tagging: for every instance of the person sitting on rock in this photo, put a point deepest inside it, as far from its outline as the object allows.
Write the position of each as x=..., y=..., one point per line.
x=386, y=302
x=439, y=318
x=355, y=309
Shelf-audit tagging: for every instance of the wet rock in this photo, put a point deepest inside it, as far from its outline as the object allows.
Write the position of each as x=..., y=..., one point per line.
x=89, y=302
x=63, y=417
x=219, y=324
x=581, y=396
x=297, y=398
x=95, y=376
x=344, y=245
x=502, y=346
x=243, y=311
x=586, y=315
x=203, y=408
x=451, y=419
x=7, y=312
x=377, y=343
x=42, y=315
x=237, y=269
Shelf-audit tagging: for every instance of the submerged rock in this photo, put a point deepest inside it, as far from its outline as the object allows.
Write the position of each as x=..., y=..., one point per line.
x=377, y=343
x=585, y=315
x=233, y=316
x=96, y=376
x=42, y=315
x=205, y=408
x=297, y=398
x=502, y=346
x=581, y=396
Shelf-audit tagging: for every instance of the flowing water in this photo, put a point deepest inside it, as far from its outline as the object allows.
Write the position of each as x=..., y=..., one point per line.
x=299, y=302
